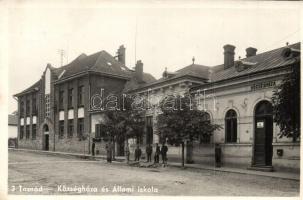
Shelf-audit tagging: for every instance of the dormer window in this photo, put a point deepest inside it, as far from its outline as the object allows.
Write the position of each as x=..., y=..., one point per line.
x=243, y=65
x=167, y=74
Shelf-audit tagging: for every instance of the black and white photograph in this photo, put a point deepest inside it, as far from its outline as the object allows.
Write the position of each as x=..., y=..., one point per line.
x=156, y=99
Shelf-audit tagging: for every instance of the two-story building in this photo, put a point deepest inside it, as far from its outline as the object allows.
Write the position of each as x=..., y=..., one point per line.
x=58, y=112
x=62, y=110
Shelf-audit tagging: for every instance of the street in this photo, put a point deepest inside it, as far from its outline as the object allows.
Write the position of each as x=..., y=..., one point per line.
x=32, y=173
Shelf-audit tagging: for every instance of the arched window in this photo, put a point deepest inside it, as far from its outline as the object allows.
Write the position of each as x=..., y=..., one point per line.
x=231, y=126
x=205, y=138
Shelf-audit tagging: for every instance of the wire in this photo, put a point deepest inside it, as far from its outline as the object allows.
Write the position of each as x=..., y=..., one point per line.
x=287, y=36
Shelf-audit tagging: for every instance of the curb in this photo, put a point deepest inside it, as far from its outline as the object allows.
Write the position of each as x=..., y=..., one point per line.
x=175, y=165
x=66, y=155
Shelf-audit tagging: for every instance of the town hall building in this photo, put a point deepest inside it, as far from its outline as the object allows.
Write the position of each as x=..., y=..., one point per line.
x=57, y=112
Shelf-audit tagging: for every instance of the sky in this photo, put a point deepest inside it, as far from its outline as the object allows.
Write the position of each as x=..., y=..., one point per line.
x=167, y=35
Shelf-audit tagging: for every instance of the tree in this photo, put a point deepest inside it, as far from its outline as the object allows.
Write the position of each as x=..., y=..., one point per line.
x=180, y=122
x=124, y=122
x=286, y=104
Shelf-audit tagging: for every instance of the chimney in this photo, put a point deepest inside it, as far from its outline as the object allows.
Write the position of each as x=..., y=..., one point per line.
x=139, y=71
x=121, y=54
x=229, y=55
x=250, y=51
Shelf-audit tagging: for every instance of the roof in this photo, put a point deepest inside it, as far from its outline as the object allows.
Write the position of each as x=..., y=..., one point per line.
x=133, y=83
x=194, y=70
x=33, y=87
x=12, y=119
x=260, y=62
x=98, y=62
x=200, y=71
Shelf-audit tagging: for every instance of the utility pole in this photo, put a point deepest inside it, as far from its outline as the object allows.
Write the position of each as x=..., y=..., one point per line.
x=136, y=41
x=61, y=52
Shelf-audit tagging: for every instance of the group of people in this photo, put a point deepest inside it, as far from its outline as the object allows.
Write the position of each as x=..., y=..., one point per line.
x=149, y=151
x=138, y=152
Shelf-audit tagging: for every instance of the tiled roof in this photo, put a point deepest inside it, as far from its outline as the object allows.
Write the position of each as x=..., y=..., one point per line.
x=31, y=88
x=99, y=62
x=263, y=61
x=200, y=71
x=12, y=120
x=193, y=70
x=133, y=83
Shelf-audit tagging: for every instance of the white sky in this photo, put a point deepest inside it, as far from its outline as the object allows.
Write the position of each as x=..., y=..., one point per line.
x=166, y=37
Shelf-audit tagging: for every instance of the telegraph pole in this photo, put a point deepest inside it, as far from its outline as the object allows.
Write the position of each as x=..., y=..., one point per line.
x=61, y=52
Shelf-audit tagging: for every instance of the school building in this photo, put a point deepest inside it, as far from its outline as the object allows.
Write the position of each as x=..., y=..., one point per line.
x=57, y=112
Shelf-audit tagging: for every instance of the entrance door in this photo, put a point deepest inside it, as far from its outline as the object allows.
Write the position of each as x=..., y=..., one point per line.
x=46, y=137
x=263, y=134
x=46, y=147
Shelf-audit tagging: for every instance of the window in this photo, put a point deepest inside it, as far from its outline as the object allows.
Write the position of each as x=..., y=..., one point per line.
x=205, y=137
x=70, y=127
x=149, y=130
x=27, y=107
x=80, y=95
x=27, y=133
x=21, y=132
x=34, y=131
x=61, y=128
x=80, y=127
x=70, y=98
x=22, y=108
x=34, y=106
x=47, y=105
x=61, y=100
x=98, y=131
x=231, y=126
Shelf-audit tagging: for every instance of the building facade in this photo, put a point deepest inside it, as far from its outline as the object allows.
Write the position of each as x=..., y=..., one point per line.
x=62, y=111
x=237, y=96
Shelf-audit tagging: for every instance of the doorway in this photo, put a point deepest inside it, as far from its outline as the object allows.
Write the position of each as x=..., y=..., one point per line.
x=263, y=149
x=46, y=137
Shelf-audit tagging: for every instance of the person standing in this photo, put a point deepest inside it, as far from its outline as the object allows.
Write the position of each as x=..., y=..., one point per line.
x=164, y=150
x=93, y=149
x=157, y=153
x=127, y=153
x=108, y=153
x=149, y=151
x=138, y=153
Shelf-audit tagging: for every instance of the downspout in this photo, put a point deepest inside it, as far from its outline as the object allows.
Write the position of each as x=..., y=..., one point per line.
x=89, y=138
x=18, y=126
x=54, y=117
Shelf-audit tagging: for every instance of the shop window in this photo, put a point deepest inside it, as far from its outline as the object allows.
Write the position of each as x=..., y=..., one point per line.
x=231, y=126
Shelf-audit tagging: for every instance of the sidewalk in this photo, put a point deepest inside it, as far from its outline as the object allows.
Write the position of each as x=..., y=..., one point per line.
x=121, y=159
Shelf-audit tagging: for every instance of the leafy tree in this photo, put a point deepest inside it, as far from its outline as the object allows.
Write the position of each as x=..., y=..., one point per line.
x=124, y=122
x=286, y=104
x=181, y=122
